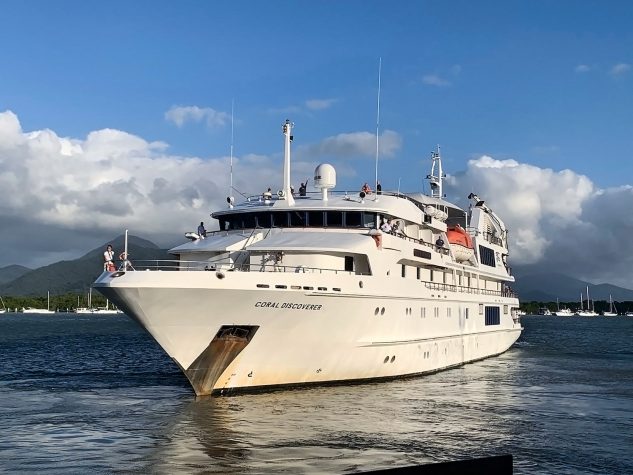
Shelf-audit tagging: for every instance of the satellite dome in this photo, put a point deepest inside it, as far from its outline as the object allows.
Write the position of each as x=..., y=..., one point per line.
x=324, y=176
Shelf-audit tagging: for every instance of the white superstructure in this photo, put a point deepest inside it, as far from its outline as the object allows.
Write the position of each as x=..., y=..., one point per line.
x=308, y=289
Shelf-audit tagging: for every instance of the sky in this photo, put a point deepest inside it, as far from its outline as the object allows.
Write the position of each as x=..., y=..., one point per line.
x=118, y=115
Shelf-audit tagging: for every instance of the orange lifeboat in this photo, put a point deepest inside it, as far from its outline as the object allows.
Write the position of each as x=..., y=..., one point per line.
x=461, y=243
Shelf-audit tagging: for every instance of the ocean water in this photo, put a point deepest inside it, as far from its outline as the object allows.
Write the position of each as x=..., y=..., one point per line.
x=94, y=394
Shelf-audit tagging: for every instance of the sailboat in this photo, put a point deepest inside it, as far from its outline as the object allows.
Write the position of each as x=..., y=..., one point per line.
x=613, y=312
x=3, y=309
x=87, y=309
x=586, y=313
x=40, y=310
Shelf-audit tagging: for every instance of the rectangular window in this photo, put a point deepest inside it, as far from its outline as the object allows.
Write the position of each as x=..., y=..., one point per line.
x=418, y=272
x=431, y=272
x=280, y=219
x=353, y=219
x=487, y=256
x=297, y=219
x=466, y=313
x=249, y=220
x=481, y=309
x=436, y=312
x=421, y=253
x=334, y=219
x=349, y=263
x=448, y=312
x=315, y=219
x=369, y=220
x=264, y=220
x=505, y=309
x=422, y=312
x=404, y=270
x=492, y=316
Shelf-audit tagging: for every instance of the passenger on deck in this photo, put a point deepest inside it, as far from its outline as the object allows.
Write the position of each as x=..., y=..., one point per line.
x=366, y=189
x=378, y=188
x=385, y=227
x=201, y=231
x=303, y=188
x=268, y=194
x=108, y=259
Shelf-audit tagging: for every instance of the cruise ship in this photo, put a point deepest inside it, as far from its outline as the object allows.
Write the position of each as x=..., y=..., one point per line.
x=327, y=287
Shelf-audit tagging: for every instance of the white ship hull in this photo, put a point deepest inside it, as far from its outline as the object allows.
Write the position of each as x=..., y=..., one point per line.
x=305, y=337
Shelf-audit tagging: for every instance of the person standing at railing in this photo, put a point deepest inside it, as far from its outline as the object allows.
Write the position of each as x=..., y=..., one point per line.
x=201, y=231
x=108, y=259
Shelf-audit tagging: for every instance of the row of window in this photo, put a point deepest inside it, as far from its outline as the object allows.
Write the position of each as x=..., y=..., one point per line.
x=298, y=219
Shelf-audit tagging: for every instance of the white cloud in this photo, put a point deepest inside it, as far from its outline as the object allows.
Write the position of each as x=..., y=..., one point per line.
x=620, y=69
x=72, y=194
x=179, y=115
x=435, y=80
x=558, y=220
x=352, y=145
x=285, y=110
x=582, y=68
x=320, y=104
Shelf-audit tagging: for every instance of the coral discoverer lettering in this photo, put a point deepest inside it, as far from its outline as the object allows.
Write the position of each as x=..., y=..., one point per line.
x=291, y=305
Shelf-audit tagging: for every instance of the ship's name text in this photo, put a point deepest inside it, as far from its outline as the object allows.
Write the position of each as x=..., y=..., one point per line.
x=291, y=305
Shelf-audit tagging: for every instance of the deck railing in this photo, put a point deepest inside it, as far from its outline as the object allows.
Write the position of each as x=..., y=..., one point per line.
x=228, y=266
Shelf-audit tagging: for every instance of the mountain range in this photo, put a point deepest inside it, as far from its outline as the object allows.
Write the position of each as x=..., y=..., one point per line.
x=76, y=276
x=548, y=287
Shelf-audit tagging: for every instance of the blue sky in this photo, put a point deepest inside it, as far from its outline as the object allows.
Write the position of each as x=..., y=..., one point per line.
x=548, y=84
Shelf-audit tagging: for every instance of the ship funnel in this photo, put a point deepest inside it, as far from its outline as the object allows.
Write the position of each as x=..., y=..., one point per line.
x=324, y=178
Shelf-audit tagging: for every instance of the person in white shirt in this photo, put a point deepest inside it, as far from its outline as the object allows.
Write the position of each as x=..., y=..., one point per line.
x=108, y=262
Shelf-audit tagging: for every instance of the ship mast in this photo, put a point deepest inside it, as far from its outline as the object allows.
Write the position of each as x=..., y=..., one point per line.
x=435, y=180
x=287, y=194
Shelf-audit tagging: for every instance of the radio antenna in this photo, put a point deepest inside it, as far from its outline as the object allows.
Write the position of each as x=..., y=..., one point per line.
x=377, y=127
x=230, y=199
x=232, y=109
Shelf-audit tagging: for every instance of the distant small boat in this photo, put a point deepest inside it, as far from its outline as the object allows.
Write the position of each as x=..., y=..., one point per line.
x=40, y=310
x=544, y=311
x=3, y=309
x=562, y=312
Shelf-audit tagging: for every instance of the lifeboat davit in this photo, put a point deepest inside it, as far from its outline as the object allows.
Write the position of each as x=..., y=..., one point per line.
x=461, y=243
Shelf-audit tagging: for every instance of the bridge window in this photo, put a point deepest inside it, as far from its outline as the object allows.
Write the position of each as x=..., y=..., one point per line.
x=316, y=219
x=297, y=219
x=353, y=219
x=334, y=219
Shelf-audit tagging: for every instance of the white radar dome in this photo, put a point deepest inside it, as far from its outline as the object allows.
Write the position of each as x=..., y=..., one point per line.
x=324, y=176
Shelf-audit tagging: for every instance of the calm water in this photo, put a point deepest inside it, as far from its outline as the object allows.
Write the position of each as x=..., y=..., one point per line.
x=89, y=393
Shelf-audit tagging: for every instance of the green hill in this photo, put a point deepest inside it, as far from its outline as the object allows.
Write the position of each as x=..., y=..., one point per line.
x=12, y=272
x=77, y=275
